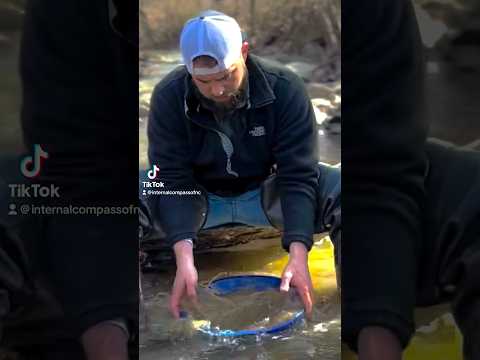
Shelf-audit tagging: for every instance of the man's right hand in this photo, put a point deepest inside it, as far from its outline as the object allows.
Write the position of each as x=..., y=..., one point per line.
x=186, y=278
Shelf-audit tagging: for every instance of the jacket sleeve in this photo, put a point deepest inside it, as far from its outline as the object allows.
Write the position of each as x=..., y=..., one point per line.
x=178, y=216
x=383, y=166
x=296, y=155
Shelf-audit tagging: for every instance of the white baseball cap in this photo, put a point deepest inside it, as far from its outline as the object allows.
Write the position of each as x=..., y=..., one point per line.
x=214, y=34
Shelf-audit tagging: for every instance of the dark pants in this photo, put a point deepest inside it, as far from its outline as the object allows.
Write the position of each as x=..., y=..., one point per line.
x=449, y=265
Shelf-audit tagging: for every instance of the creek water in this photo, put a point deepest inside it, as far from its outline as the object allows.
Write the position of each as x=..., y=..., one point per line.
x=319, y=338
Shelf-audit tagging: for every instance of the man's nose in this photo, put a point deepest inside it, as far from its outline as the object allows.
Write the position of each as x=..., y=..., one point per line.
x=218, y=89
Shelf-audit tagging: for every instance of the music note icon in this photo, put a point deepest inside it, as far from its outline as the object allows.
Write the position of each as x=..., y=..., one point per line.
x=152, y=174
x=30, y=166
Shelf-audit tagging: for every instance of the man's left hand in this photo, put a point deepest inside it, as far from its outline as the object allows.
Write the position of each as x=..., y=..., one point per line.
x=297, y=274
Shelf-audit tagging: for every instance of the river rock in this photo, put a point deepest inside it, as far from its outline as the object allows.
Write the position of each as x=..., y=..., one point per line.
x=143, y=112
x=325, y=111
x=333, y=125
x=313, y=50
x=330, y=92
x=11, y=17
x=302, y=69
x=322, y=103
x=327, y=73
x=157, y=253
x=431, y=29
x=157, y=256
x=320, y=116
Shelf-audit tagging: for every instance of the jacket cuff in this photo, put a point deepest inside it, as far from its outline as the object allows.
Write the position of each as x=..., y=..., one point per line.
x=287, y=239
x=172, y=240
x=353, y=322
x=126, y=312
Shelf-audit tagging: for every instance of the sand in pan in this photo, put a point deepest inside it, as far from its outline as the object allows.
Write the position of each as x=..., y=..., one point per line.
x=246, y=309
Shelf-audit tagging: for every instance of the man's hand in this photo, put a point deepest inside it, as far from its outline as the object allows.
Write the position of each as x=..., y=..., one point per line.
x=186, y=277
x=105, y=341
x=375, y=342
x=296, y=273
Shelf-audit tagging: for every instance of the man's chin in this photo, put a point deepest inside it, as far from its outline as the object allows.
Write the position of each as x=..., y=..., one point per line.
x=222, y=99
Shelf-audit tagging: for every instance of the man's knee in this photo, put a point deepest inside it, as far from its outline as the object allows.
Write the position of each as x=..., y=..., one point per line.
x=328, y=215
x=329, y=200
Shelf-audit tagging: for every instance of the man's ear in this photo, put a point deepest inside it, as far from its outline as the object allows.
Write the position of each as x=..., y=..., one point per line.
x=245, y=50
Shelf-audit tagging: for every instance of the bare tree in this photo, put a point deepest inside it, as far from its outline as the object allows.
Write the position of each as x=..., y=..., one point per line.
x=252, y=18
x=146, y=33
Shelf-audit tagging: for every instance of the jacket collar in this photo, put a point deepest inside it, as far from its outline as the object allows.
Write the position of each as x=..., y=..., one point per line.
x=261, y=92
x=260, y=89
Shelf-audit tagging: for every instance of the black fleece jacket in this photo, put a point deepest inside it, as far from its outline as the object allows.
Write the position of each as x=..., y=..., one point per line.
x=191, y=151
x=79, y=69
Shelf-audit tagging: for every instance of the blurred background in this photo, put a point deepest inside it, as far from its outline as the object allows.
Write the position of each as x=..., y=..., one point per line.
x=450, y=31
x=451, y=34
x=11, y=17
x=310, y=27
x=304, y=35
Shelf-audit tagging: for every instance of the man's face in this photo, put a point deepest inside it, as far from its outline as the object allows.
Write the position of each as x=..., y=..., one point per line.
x=219, y=87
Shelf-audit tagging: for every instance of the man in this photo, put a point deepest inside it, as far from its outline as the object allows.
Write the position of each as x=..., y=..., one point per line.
x=221, y=124
x=411, y=209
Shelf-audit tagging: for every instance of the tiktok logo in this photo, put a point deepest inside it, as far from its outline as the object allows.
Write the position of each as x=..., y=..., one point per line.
x=152, y=174
x=30, y=166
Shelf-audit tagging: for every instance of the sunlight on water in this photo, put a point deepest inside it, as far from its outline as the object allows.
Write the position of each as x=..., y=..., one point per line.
x=440, y=340
x=320, y=262
x=436, y=337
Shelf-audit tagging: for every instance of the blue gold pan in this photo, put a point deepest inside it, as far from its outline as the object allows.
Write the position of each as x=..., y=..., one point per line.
x=232, y=284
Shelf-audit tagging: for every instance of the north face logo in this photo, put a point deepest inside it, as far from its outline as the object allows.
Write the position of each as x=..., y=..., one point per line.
x=257, y=131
